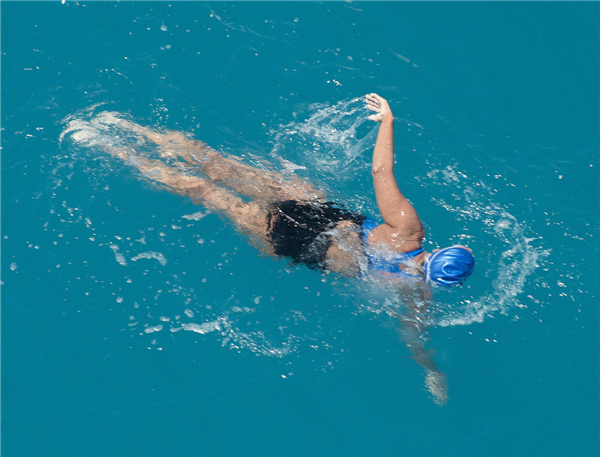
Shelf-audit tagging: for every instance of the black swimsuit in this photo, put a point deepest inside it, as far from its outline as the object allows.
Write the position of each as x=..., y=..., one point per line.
x=298, y=230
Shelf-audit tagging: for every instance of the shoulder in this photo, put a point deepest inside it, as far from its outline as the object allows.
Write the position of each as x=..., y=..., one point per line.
x=399, y=239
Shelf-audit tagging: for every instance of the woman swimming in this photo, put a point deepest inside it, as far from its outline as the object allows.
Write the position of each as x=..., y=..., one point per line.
x=289, y=218
x=292, y=219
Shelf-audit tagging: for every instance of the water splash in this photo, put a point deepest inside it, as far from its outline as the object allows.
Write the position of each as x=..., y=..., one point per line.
x=328, y=145
x=151, y=255
x=328, y=141
x=509, y=250
x=164, y=299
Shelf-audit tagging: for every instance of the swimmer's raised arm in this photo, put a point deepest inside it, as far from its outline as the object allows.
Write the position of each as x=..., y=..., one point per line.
x=395, y=209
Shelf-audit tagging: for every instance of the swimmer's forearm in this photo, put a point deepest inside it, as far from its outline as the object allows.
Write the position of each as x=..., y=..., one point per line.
x=383, y=154
x=435, y=379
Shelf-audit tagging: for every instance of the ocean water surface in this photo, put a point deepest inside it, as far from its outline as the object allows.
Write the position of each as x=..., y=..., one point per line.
x=135, y=322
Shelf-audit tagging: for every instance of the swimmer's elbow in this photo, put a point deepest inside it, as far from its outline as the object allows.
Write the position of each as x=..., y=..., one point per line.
x=379, y=170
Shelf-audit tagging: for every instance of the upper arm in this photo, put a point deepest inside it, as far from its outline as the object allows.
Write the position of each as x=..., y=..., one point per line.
x=395, y=209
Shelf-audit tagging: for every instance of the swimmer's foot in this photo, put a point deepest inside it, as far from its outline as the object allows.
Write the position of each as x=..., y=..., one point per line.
x=80, y=131
x=172, y=144
x=93, y=134
x=109, y=118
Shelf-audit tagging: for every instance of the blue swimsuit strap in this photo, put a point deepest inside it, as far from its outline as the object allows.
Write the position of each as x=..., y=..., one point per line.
x=390, y=264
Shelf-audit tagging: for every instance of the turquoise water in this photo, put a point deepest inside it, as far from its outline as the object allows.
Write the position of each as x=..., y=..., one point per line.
x=135, y=323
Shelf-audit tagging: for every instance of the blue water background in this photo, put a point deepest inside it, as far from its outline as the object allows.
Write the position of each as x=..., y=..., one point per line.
x=497, y=147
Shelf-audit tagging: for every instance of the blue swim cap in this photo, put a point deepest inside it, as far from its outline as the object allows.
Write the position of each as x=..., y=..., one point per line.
x=449, y=266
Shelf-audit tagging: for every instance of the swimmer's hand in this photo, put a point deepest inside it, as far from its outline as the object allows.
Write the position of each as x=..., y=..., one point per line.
x=436, y=384
x=380, y=106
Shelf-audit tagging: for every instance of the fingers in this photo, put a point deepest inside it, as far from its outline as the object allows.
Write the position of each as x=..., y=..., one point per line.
x=377, y=104
x=374, y=97
x=373, y=102
x=373, y=107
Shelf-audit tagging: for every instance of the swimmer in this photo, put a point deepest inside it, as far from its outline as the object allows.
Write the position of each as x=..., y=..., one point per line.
x=290, y=218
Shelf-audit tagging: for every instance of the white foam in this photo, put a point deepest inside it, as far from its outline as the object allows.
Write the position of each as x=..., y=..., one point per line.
x=196, y=216
x=151, y=255
x=206, y=327
x=154, y=329
x=120, y=258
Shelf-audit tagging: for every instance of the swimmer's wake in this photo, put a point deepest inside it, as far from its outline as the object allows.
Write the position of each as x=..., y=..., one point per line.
x=288, y=217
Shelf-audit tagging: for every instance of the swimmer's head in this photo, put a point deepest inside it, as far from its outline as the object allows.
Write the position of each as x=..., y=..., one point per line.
x=449, y=266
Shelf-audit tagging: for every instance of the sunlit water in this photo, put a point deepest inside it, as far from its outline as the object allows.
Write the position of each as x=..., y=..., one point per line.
x=128, y=307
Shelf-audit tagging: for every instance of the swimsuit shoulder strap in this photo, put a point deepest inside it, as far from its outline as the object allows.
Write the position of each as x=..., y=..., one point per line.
x=367, y=226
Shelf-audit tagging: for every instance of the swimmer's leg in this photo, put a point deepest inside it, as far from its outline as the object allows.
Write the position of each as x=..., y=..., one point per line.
x=259, y=185
x=249, y=217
